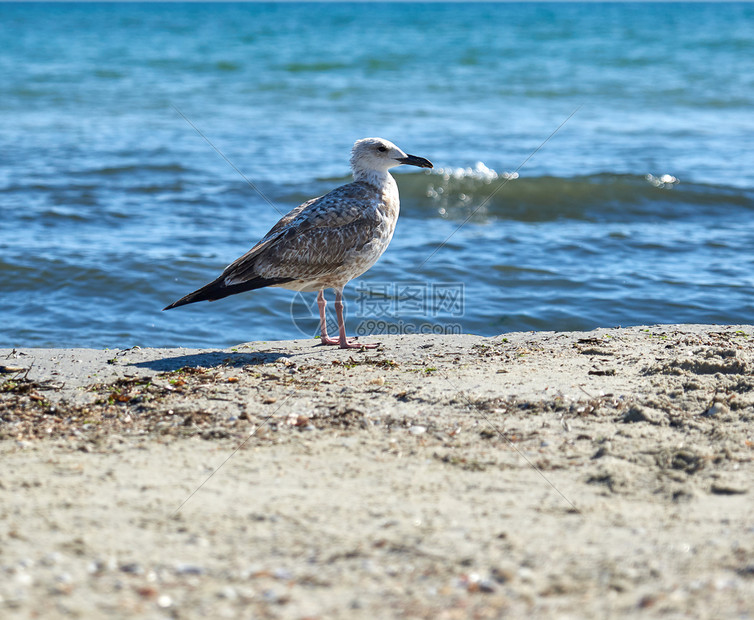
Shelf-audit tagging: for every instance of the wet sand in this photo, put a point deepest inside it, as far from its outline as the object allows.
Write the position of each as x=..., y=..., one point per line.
x=595, y=474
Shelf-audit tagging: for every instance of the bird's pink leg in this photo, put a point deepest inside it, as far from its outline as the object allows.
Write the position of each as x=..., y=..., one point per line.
x=322, y=304
x=343, y=341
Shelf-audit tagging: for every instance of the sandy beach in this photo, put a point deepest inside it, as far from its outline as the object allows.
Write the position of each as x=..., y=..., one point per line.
x=577, y=474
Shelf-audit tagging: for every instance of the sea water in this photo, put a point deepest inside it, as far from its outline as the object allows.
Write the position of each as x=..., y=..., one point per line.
x=594, y=164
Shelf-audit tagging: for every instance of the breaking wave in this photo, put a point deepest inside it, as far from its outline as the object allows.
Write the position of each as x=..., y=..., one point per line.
x=484, y=193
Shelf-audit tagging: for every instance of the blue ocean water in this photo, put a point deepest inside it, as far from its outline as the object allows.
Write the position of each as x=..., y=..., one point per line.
x=594, y=164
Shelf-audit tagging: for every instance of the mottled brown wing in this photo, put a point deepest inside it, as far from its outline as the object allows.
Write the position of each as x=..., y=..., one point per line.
x=314, y=238
x=289, y=217
x=316, y=252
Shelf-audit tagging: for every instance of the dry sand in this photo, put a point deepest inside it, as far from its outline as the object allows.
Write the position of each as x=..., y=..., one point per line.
x=574, y=475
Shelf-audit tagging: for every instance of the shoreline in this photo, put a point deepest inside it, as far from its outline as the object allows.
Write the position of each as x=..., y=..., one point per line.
x=538, y=473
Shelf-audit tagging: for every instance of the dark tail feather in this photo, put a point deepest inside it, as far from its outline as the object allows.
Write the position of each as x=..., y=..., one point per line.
x=218, y=289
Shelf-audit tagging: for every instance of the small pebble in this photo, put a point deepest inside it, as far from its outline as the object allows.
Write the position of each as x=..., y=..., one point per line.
x=164, y=601
x=189, y=569
x=525, y=574
x=502, y=575
x=282, y=573
x=716, y=409
x=146, y=592
x=51, y=559
x=229, y=593
x=198, y=541
x=727, y=488
x=417, y=430
x=24, y=579
x=133, y=568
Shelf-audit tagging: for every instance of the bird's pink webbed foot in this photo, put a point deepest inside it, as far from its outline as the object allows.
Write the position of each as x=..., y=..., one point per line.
x=350, y=343
x=342, y=341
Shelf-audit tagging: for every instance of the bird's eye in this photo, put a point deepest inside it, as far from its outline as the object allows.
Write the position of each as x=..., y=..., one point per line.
x=382, y=149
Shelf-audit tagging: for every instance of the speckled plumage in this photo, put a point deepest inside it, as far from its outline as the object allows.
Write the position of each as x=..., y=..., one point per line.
x=327, y=241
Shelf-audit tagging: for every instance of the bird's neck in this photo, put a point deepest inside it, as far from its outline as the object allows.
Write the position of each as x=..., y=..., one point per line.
x=381, y=179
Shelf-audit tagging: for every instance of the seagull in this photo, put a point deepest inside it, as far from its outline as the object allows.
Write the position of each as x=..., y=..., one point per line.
x=325, y=242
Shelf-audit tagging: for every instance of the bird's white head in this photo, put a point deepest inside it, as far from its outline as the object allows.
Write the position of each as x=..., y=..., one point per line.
x=371, y=158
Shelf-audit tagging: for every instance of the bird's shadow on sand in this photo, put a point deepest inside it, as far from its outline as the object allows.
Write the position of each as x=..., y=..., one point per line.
x=211, y=359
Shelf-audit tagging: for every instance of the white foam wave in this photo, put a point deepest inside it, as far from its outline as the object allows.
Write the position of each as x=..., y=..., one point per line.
x=480, y=172
x=456, y=187
x=667, y=181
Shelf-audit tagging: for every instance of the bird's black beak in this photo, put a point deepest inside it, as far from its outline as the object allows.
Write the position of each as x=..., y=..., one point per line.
x=413, y=160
